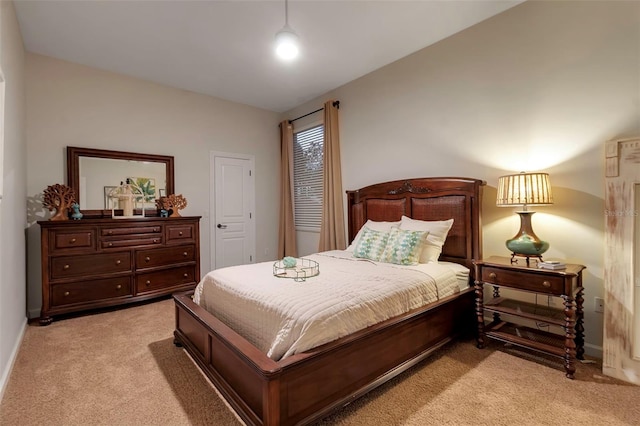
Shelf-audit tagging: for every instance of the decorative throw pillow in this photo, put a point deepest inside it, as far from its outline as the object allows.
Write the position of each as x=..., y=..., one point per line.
x=371, y=244
x=438, y=230
x=404, y=247
x=376, y=226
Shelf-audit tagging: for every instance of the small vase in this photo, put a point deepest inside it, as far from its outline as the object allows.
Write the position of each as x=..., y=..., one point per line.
x=76, y=215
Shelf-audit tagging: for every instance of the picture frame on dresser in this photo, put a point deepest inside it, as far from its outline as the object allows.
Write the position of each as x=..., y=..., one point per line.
x=107, y=198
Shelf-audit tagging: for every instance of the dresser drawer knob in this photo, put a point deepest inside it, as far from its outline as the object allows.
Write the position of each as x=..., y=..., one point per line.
x=492, y=275
x=180, y=233
x=148, y=282
x=155, y=241
x=118, y=287
x=186, y=275
x=66, y=293
x=118, y=262
x=546, y=284
x=66, y=267
x=185, y=254
x=73, y=240
x=156, y=229
x=110, y=244
x=110, y=232
x=146, y=259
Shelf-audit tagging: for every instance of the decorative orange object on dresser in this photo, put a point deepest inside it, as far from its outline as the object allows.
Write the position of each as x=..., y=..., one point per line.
x=59, y=197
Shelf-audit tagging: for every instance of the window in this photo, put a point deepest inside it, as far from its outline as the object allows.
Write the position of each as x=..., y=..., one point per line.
x=307, y=178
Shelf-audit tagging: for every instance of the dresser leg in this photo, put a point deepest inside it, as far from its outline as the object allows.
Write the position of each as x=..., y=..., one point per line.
x=480, y=312
x=45, y=320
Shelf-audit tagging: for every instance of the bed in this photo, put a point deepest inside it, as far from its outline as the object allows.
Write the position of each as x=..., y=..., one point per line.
x=306, y=386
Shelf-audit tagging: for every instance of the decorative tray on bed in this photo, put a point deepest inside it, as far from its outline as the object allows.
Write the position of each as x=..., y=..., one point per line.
x=299, y=269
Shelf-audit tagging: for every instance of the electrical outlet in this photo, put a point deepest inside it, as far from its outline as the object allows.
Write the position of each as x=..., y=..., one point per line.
x=599, y=304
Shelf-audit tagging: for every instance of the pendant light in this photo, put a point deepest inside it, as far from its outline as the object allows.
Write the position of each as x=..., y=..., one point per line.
x=286, y=38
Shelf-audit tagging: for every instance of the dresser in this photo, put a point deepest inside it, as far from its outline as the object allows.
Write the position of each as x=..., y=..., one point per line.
x=96, y=263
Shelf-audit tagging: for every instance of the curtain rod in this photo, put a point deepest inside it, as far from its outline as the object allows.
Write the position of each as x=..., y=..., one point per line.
x=335, y=104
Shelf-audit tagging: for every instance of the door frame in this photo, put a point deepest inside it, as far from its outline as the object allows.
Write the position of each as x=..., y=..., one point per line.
x=212, y=199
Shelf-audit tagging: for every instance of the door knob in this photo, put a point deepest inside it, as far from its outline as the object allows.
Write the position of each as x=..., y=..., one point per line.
x=221, y=226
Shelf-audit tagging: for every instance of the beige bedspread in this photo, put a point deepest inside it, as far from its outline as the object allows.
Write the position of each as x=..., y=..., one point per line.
x=282, y=317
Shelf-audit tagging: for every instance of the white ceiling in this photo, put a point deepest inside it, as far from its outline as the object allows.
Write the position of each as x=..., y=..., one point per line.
x=224, y=48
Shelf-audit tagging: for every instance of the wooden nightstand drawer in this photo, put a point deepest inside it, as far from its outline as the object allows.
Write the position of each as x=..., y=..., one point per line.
x=531, y=281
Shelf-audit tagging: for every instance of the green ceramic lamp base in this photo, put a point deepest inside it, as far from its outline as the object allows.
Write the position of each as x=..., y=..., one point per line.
x=526, y=243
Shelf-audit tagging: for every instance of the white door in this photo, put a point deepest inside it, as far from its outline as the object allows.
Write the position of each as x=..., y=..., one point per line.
x=233, y=224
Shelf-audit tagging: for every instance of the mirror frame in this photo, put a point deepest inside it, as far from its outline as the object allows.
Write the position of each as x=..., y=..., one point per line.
x=73, y=171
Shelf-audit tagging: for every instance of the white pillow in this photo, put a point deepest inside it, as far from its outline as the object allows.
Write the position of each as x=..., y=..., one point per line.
x=375, y=226
x=438, y=230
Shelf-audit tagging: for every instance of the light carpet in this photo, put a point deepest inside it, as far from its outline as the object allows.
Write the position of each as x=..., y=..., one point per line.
x=121, y=368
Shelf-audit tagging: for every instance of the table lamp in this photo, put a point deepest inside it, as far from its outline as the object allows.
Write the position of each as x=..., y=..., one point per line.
x=525, y=189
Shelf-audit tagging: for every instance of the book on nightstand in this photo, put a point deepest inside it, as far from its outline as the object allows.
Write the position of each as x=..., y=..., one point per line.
x=552, y=264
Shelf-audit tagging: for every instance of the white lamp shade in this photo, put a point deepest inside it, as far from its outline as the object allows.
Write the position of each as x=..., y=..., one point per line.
x=524, y=189
x=287, y=44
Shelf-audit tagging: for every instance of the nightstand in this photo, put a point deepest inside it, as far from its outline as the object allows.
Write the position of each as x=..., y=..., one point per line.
x=565, y=283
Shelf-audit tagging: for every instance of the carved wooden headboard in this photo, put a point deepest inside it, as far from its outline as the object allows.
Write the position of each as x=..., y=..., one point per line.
x=433, y=198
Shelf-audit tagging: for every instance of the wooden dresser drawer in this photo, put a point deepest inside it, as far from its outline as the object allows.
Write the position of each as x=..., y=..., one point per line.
x=64, y=240
x=90, y=264
x=166, y=278
x=532, y=281
x=164, y=256
x=131, y=242
x=152, y=229
x=90, y=290
x=182, y=233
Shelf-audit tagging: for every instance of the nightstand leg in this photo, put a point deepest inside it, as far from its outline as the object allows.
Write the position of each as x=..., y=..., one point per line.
x=496, y=294
x=579, y=324
x=480, y=312
x=569, y=343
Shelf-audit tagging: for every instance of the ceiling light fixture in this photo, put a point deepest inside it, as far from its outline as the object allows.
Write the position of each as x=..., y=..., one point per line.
x=286, y=38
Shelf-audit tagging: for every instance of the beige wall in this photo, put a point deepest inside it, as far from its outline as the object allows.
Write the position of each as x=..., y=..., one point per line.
x=13, y=319
x=541, y=86
x=73, y=105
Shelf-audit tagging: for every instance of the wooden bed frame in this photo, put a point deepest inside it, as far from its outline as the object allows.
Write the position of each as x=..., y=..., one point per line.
x=307, y=386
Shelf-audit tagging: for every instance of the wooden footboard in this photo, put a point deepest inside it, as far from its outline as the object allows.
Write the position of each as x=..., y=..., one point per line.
x=305, y=387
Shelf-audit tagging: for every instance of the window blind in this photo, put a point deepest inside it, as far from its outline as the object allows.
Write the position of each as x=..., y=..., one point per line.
x=308, y=153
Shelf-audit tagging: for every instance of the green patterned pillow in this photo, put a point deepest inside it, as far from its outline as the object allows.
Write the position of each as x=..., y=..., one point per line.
x=404, y=247
x=371, y=244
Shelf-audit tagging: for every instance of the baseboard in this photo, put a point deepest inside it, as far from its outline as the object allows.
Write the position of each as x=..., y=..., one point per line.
x=34, y=313
x=593, y=350
x=12, y=359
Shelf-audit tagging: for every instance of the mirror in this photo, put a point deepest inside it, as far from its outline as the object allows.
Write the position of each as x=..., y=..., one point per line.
x=92, y=173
